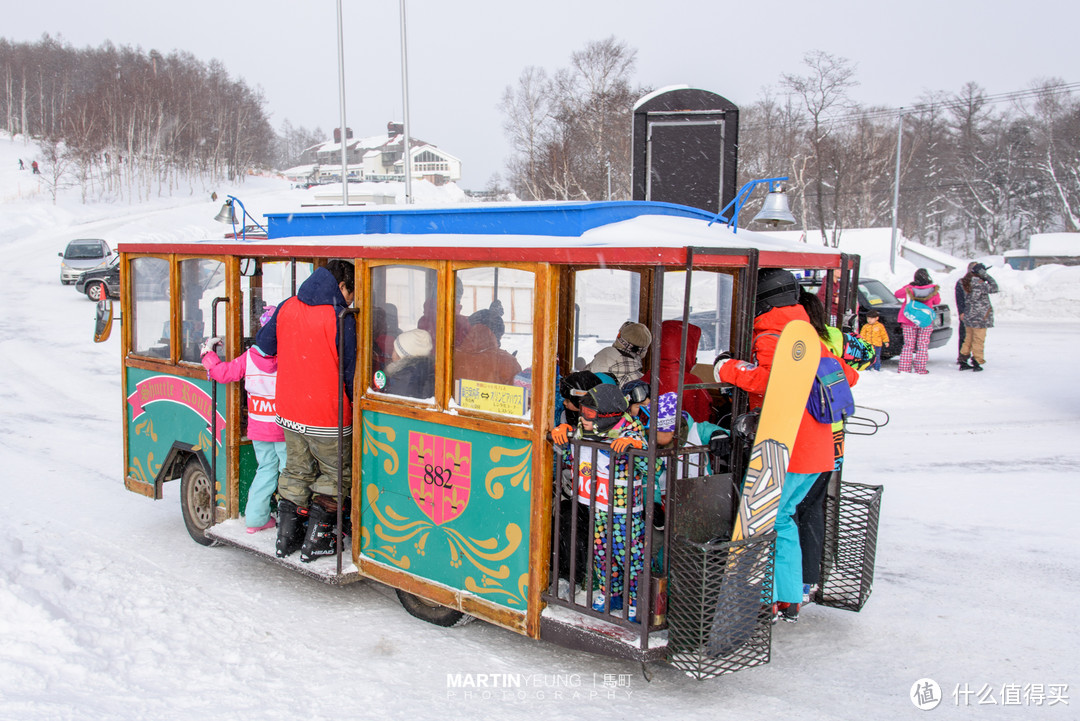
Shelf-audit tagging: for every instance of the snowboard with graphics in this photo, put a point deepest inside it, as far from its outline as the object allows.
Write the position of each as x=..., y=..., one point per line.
x=798, y=352
x=732, y=629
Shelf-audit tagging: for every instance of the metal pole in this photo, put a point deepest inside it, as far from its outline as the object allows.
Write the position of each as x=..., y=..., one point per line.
x=405, y=105
x=896, y=191
x=341, y=102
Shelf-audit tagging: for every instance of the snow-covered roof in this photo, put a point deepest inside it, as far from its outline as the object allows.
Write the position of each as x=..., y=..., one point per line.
x=1054, y=244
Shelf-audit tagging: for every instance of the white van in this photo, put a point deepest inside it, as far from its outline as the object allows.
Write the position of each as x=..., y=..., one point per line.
x=82, y=255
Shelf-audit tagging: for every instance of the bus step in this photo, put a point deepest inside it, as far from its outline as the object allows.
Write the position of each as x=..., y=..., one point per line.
x=234, y=533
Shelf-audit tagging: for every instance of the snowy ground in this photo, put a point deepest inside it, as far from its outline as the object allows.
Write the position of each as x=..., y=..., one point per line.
x=109, y=611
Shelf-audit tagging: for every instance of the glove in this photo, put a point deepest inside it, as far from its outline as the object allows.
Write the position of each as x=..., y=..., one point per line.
x=624, y=442
x=210, y=346
x=719, y=363
x=560, y=434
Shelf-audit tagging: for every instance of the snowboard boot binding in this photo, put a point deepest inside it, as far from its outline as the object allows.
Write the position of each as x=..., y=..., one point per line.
x=322, y=520
x=292, y=525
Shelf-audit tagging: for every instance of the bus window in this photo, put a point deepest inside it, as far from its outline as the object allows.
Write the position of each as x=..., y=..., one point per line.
x=270, y=283
x=493, y=341
x=604, y=299
x=403, y=313
x=710, y=309
x=201, y=280
x=150, y=306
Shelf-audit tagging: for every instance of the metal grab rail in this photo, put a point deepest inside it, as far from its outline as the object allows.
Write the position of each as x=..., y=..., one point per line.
x=861, y=422
x=341, y=427
x=213, y=410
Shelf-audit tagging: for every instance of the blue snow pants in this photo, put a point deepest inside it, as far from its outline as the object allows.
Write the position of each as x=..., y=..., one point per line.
x=788, y=577
x=271, y=458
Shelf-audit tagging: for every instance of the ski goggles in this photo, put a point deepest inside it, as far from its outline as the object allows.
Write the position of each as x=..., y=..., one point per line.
x=603, y=421
x=636, y=392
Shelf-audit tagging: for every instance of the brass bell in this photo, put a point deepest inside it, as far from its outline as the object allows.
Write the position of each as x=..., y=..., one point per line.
x=775, y=211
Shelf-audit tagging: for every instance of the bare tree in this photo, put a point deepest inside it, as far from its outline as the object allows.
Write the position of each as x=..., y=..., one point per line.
x=823, y=90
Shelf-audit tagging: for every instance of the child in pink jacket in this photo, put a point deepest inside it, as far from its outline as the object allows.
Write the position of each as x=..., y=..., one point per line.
x=259, y=373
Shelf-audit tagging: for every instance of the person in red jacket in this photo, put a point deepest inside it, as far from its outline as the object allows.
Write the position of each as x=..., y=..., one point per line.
x=776, y=305
x=696, y=402
x=303, y=334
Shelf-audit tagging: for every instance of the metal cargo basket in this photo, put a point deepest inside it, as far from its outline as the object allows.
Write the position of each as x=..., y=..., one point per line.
x=719, y=605
x=851, y=530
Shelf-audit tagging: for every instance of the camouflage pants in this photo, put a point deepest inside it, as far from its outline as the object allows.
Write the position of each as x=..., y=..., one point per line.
x=311, y=467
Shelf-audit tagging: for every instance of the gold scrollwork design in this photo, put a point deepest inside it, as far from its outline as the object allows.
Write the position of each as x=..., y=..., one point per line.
x=373, y=446
x=146, y=428
x=518, y=473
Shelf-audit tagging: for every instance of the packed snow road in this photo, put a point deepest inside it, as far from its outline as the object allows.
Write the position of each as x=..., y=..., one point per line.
x=109, y=611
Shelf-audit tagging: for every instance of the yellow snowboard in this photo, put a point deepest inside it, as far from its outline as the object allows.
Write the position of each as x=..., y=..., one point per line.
x=798, y=352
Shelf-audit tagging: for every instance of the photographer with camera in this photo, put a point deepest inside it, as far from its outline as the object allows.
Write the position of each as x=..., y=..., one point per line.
x=978, y=315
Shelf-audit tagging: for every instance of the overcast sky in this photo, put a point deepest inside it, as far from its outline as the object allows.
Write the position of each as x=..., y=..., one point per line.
x=463, y=53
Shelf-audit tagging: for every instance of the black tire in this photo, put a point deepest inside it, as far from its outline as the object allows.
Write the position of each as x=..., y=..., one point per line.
x=432, y=612
x=95, y=291
x=197, y=502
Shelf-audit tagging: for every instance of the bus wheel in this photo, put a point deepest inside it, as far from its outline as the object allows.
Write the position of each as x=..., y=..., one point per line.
x=432, y=612
x=197, y=502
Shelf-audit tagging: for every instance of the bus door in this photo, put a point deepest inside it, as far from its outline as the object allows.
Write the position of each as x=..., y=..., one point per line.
x=265, y=283
x=174, y=425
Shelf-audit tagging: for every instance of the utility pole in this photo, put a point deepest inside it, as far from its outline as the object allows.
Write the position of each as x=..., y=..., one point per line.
x=896, y=191
x=405, y=143
x=341, y=101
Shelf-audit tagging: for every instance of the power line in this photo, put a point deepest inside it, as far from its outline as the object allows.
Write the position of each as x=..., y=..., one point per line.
x=954, y=103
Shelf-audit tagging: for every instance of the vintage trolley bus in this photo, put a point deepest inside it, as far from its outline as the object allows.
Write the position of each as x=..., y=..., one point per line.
x=455, y=497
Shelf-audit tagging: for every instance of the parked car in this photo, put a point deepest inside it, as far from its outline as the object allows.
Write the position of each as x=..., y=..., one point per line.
x=101, y=283
x=874, y=294
x=82, y=255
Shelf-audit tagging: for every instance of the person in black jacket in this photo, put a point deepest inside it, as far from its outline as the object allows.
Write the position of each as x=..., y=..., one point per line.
x=961, y=303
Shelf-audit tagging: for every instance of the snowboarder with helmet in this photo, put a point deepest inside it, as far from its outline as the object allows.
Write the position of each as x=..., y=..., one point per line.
x=777, y=304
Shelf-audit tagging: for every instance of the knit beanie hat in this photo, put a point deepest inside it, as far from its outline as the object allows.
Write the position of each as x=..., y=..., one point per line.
x=413, y=343
x=665, y=412
x=634, y=338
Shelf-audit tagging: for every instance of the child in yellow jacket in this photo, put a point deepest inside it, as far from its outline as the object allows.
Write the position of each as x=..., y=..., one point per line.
x=875, y=334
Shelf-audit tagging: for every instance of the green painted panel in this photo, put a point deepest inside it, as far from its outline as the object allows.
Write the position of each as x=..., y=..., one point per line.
x=163, y=408
x=447, y=504
x=248, y=465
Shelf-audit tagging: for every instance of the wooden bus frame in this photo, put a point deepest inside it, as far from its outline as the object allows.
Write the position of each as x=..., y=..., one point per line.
x=553, y=241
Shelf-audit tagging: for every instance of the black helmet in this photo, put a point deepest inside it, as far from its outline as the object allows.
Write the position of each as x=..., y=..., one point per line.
x=776, y=288
x=575, y=386
x=604, y=405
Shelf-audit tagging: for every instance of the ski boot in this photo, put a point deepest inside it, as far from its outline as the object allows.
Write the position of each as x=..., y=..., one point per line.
x=975, y=365
x=962, y=361
x=319, y=540
x=291, y=527
x=787, y=611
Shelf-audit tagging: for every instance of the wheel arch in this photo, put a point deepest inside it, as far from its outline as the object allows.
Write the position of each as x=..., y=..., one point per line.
x=172, y=468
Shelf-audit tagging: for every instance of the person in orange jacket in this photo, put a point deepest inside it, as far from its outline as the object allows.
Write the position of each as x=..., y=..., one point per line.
x=777, y=304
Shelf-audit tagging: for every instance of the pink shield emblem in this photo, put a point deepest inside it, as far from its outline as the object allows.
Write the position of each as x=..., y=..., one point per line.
x=440, y=475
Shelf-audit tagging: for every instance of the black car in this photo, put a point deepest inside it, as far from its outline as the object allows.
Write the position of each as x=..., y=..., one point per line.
x=101, y=283
x=874, y=294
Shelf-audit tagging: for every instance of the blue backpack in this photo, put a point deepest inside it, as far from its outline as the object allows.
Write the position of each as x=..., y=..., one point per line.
x=830, y=395
x=920, y=314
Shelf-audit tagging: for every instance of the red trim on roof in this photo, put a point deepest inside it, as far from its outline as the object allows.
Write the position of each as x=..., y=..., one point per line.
x=554, y=254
